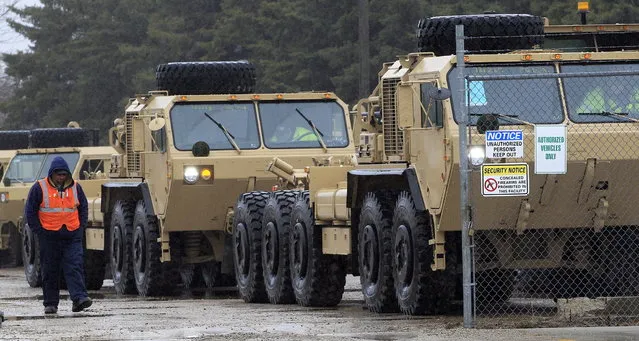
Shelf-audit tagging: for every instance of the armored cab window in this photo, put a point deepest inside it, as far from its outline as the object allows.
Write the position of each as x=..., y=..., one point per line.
x=434, y=115
x=216, y=123
x=602, y=98
x=70, y=158
x=92, y=169
x=301, y=124
x=24, y=168
x=159, y=139
x=522, y=93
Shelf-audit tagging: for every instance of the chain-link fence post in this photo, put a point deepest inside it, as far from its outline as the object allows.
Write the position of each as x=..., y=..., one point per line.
x=464, y=174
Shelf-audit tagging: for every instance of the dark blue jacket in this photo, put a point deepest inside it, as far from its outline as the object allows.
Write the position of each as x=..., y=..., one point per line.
x=34, y=199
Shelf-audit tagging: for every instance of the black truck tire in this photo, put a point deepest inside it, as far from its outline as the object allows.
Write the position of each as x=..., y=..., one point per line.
x=419, y=290
x=318, y=279
x=275, y=247
x=152, y=277
x=121, y=255
x=197, y=78
x=247, y=249
x=61, y=137
x=375, y=252
x=31, y=257
x=14, y=139
x=489, y=33
x=12, y=257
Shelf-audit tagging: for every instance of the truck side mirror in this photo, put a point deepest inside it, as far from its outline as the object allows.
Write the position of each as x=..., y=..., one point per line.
x=439, y=94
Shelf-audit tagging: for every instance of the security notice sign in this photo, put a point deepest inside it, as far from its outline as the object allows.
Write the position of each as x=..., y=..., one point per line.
x=504, y=179
x=504, y=143
x=550, y=149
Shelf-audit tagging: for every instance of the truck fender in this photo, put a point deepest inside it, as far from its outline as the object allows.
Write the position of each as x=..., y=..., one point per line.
x=362, y=181
x=114, y=191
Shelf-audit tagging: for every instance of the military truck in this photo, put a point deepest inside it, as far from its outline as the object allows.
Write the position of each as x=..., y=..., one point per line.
x=394, y=217
x=10, y=140
x=186, y=151
x=88, y=163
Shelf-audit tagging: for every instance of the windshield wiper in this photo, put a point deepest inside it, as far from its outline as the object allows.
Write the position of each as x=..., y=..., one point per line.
x=228, y=135
x=315, y=130
x=510, y=117
x=16, y=179
x=620, y=116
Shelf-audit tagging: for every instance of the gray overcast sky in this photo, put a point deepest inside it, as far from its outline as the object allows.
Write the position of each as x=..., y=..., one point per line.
x=11, y=41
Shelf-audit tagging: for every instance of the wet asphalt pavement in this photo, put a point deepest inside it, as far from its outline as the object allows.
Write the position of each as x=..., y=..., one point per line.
x=220, y=315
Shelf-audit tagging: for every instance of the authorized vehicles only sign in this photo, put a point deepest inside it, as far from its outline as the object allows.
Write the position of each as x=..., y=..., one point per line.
x=504, y=179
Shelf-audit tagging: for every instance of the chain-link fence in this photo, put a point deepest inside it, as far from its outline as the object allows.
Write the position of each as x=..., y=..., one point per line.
x=555, y=220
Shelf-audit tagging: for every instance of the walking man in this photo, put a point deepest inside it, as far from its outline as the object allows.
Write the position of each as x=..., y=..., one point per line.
x=57, y=211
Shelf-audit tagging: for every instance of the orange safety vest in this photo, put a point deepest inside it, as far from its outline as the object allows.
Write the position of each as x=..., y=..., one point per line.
x=59, y=208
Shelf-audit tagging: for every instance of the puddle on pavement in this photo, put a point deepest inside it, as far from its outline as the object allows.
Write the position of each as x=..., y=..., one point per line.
x=52, y=316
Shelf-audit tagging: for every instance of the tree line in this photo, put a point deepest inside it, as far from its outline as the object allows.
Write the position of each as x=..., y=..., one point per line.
x=88, y=57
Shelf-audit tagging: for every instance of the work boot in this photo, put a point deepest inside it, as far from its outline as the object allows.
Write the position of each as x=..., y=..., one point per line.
x=50, y=309
x=81, y=304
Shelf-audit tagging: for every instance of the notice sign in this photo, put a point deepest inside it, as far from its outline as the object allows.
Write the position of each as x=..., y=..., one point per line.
x=550, y=149
x=504, y=179
x=504, y=143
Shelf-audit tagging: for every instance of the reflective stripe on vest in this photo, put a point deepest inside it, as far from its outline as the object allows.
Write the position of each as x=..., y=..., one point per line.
x=52, y=218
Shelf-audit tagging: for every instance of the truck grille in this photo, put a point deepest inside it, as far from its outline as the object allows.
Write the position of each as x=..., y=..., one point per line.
x=132, y=158
x=393, y=137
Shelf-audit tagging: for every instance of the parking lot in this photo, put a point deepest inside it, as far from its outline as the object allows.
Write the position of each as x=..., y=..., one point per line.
x=220, y=315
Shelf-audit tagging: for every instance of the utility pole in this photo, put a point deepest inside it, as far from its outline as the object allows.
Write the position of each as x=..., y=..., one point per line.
x=364, y=49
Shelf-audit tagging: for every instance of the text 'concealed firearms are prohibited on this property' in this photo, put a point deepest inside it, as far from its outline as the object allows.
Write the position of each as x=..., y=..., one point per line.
x=504, y=179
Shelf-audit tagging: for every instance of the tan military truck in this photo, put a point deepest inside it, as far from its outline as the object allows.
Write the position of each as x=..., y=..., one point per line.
x=185, y=154
x=88, y=164
x=394, y=218
x=10, y=140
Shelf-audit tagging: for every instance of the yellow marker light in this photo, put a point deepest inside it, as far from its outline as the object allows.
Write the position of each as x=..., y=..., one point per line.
x=327, y=95
x=583, y=6
x=466, y=59
x=577, y=28
x=256, y=96
x=279, y=96
x=526, y=57
x=556, y=56
x=232, y=97
x=601, y=28
x=206, y=174
x=183, y=98
x=586, y=56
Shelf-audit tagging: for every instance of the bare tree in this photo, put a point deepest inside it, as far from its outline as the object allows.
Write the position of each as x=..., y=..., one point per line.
x=6, y=33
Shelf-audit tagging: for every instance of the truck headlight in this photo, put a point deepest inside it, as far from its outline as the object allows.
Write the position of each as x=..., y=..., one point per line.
x=190, y=175
x=476, y=155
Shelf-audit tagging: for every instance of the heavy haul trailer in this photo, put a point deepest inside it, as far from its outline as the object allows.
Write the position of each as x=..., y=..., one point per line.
x=87, y=162
x=394, y=218
x=186, y=152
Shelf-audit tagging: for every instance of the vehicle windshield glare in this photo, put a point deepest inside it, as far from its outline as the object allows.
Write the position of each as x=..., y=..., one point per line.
x=190, y=125
x=611, y=98
x=27, y=168
x=289, y=125
x=535, y=100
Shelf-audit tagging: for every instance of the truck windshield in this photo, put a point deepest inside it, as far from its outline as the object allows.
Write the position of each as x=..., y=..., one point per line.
x=289, y=125
x=531, y=100
x=190, y=125
x=602, y=98
x=27, y=168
